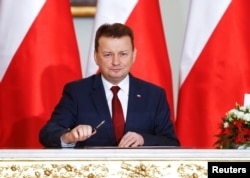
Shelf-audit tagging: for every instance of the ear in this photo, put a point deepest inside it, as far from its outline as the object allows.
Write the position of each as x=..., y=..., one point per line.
x=95, y=57
x=134, y=54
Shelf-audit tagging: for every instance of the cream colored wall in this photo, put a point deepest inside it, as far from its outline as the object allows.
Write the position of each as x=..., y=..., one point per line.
x=174, y=16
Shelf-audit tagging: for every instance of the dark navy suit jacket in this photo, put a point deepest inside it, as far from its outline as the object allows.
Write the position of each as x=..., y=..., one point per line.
x=84, y=102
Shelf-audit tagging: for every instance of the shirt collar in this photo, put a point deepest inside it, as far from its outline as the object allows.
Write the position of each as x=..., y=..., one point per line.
x=124, y=84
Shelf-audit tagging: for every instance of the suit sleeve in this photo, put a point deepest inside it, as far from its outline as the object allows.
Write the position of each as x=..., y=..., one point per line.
x=62, y=119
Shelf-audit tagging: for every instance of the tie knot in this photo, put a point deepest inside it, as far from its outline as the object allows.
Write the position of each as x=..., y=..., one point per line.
x=115, y=89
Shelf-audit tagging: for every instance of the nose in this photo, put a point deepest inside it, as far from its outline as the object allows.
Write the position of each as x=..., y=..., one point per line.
x=115, y=60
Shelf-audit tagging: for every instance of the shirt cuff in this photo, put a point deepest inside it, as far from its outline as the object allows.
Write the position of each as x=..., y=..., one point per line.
x=66, y=145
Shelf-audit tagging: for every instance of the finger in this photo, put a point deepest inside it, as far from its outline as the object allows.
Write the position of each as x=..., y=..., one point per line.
x=131, y=139
x=78, y=133
x=135, y=144
x=87, y=132
x=126, y=142
x=94, y=132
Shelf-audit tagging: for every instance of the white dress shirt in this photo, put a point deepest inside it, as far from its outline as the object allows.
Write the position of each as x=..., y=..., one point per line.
x=122, y=94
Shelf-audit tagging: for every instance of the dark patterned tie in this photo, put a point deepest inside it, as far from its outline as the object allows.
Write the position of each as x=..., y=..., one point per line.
x=117, y=114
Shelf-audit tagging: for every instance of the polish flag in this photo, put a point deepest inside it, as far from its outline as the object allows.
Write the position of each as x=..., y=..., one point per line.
x=38, y=55
x=144, y=17
x=215, y=67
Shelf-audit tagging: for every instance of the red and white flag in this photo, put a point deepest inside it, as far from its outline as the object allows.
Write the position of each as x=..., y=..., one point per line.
x=38, y=55
x=215, y=67
x=144, y=17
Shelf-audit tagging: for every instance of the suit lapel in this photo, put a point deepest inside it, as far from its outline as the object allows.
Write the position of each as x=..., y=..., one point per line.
x=134, y=100
x=100, y=102
x=99, y=97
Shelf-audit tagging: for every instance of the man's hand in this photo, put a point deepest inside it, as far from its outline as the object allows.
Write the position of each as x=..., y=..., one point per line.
x=79, y=133
x=131, y=139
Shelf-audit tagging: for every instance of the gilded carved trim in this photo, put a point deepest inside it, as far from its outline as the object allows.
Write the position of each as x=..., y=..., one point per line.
x=103, y=169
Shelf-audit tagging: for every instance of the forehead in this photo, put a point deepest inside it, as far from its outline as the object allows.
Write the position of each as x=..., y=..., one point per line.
x=115, y=41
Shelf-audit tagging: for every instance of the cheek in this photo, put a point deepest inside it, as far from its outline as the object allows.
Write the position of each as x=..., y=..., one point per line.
x=129, y=63
x=100, y=61
x=104, y=63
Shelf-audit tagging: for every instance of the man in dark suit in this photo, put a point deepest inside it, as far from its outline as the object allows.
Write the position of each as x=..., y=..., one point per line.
x=87, y=102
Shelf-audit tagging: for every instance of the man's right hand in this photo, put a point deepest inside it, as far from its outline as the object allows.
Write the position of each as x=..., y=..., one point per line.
x=79, y=133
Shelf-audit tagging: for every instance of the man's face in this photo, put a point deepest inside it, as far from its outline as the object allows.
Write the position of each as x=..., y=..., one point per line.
x=115, y=58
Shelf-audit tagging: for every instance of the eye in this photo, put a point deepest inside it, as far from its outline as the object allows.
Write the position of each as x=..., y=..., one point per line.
x=123, y=54
x=107, y=55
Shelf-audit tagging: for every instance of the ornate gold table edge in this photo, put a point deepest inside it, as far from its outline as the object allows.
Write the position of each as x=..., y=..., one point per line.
x=113, y=162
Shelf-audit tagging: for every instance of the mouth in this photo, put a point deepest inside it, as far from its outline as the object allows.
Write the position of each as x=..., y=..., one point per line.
x=116, y=69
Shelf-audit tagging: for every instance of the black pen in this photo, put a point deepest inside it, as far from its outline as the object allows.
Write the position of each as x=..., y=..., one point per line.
x=99, y=125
